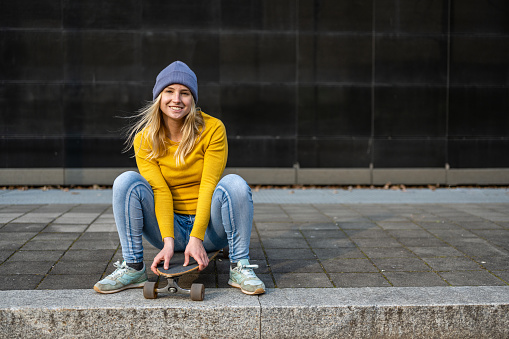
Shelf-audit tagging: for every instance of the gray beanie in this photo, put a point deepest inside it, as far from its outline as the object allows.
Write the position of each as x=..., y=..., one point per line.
x=176, y=73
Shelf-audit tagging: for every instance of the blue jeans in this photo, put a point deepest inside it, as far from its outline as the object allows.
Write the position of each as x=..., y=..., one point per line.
x=231, y=218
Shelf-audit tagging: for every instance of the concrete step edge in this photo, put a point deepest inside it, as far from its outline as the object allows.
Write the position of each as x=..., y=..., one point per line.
x=446, y=312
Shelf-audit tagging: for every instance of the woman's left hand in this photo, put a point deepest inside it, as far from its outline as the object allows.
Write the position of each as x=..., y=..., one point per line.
x=196, y=250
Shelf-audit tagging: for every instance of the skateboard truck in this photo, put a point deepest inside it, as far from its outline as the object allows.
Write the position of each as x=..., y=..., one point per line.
x=172, y=274
x=150, y=290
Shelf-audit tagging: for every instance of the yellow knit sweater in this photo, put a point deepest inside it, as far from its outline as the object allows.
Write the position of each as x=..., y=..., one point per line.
x=186, y=189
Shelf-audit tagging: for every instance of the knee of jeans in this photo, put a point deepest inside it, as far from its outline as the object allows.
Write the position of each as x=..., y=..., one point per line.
x=125, y=180
x=235, y=183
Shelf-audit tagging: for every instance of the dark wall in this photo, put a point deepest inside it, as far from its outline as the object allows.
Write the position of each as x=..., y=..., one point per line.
x=321, y=83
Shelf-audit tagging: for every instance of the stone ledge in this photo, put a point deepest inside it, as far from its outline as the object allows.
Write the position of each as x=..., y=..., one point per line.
x=275, y=176
x=445, y=312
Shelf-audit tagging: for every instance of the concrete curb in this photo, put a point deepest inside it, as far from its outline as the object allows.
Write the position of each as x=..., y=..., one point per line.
x=445, y=312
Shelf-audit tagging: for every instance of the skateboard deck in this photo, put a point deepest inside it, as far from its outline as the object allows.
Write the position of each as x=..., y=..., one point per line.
x=176, y=267
x=172, y=275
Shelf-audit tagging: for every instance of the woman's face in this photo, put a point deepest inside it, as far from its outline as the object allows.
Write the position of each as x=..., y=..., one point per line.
x=176, y=101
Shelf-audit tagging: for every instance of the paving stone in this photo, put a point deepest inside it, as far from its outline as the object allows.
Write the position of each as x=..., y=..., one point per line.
x=359, y=280
x=330, y=243
x=376, y=242
x=11, y=244
x=79, y=267
x=271, y=218
x=65, y=228
x=23, y=267
x=481, y=250
x=105, y=218
x=88, y=255
x=256, y=253
x=17, y=236
x=294, y=266
x=330, y=234
x=472, y=278
x=4, y=254
x=452, y=264
x=57, y=208
x=357, y=224
x=90, y=208
x=454, y=234
x=56, y=236
x=33, y=217
x=21, y=208
x=112, y=227
x=398, y=225
x=95, y=244
x=504, y=224
x=20, y=281
x=275, y=226
x=484, y=225
x=64, y=282
x=26, y=227
x=285, y=243
x=414, y=279
x=387, y=252
x=400, y=264
x=423, y=242
x=29, y=256
x=504, y=275
x=297, y=280
x=303, y=253
x=76, y=218
x=339, y=253
x=316, y=226
x=442, y=225
x=348, y=265
x=429, y=252
x=277, y=234
x=7, y=217
x=366, y=234
x=41, y=245
x=350, y=218
x=398, y=234
x=494, y=263
x=110, y=236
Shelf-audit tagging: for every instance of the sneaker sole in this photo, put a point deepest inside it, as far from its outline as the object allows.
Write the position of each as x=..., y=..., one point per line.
x=257, y=291
x=138, y=285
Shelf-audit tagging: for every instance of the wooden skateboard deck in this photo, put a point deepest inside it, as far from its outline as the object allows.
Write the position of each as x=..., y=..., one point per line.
x=174, y=272
x=176, y=267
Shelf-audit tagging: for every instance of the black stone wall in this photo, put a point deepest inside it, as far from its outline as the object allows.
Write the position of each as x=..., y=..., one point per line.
x=321, y=83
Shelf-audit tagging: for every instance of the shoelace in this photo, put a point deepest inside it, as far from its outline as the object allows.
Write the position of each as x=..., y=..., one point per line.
x=247, y=270
x=120, y=270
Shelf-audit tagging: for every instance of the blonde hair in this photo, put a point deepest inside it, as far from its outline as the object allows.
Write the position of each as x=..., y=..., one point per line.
x=150, y=123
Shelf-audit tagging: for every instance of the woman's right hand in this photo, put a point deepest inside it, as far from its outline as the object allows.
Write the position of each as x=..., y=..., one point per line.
x=164, y=255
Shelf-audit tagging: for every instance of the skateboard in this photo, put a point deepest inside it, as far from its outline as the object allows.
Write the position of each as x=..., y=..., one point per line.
x=172, y=275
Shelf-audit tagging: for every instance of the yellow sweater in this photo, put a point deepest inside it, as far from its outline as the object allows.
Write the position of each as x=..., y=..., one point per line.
x=186, y=189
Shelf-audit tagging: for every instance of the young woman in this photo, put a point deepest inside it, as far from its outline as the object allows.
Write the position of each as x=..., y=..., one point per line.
x=178, y=201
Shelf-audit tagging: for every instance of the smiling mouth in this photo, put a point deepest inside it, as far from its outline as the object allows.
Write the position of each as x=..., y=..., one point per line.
x=173, y=108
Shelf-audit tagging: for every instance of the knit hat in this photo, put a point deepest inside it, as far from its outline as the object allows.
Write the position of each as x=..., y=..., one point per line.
x=176, y=73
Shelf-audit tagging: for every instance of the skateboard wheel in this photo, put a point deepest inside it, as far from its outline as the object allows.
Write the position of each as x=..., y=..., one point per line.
x=197, y=292
x=149, y=290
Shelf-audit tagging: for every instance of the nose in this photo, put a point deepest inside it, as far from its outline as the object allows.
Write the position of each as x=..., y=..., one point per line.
x=175, y=97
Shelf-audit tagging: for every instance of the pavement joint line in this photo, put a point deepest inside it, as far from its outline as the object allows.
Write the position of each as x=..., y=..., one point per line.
x=265, y=255
x=65, y=251
x=318, y=260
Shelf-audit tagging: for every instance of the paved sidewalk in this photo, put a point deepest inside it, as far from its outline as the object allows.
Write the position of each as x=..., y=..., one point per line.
x=405, y=241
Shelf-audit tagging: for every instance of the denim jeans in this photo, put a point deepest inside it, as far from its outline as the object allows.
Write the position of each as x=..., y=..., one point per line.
x=231, y=218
